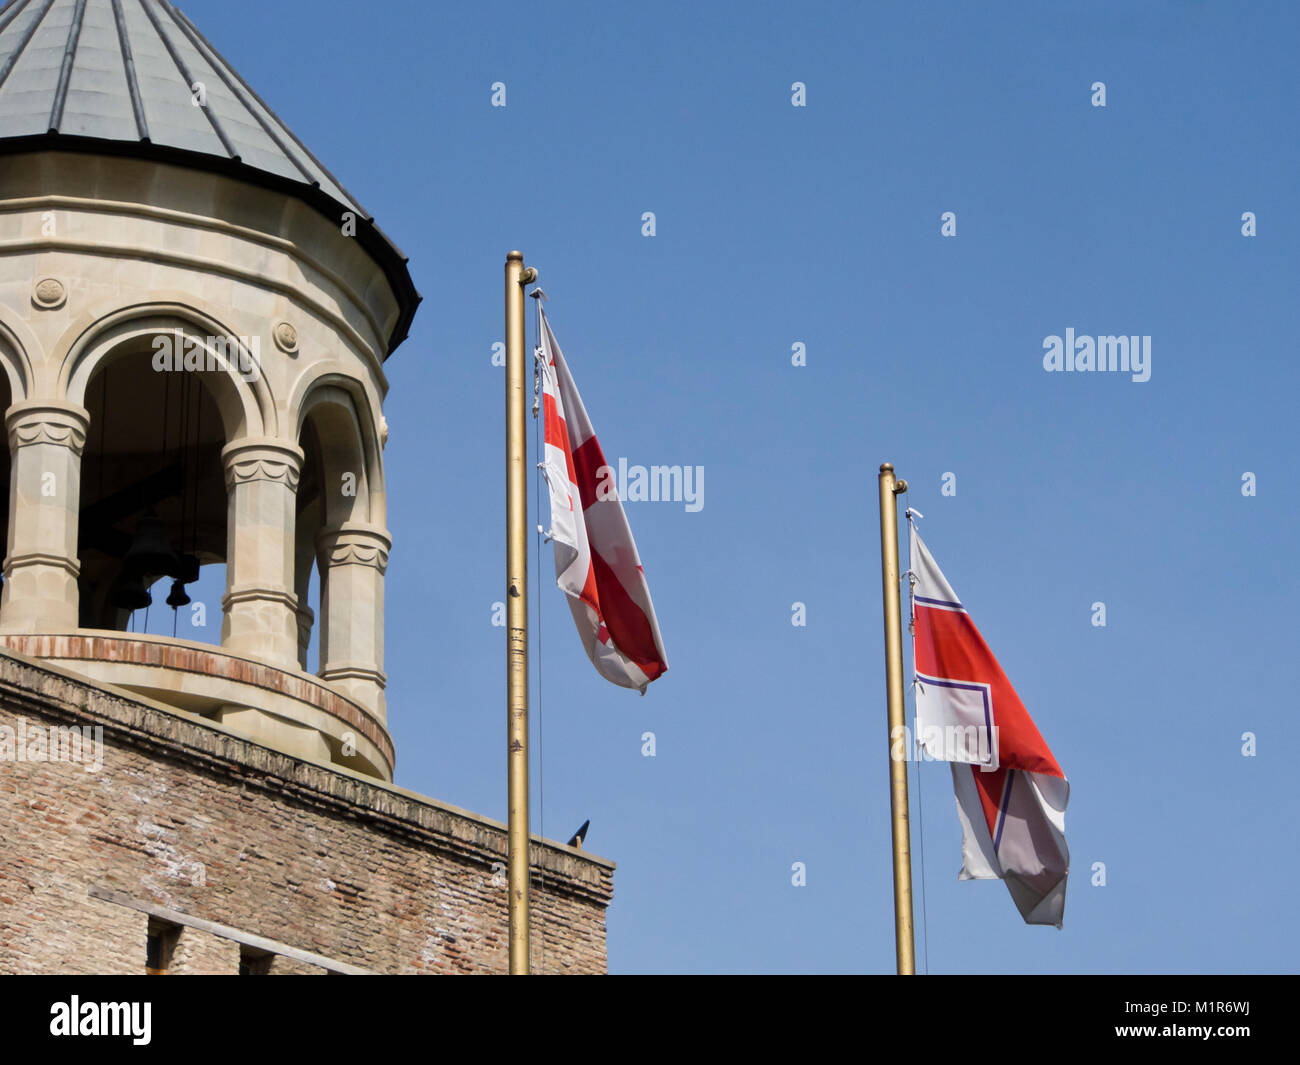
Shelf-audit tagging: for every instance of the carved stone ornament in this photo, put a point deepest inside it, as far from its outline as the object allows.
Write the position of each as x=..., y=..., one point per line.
x=352, y=546
x=259, y=461
x=286, y=337
x=261, y=469
x=49, y=293
x=46, y=425
x=352, y=553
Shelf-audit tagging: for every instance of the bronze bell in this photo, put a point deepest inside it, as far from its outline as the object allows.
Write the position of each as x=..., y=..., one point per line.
x=150, y=553
x=130, y=593
x=187, y=569
x=177, y=598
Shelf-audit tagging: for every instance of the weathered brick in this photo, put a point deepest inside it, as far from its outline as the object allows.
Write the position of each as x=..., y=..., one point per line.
x=188, y=816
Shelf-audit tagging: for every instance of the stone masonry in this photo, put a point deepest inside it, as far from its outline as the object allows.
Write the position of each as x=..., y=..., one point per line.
x=241, y=848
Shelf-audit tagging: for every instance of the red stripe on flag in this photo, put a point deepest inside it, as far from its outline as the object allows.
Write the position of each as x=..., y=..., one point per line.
x=948, y=645
x=626, y=621
x=557, y=433
x=988, y=786
x=589, y=460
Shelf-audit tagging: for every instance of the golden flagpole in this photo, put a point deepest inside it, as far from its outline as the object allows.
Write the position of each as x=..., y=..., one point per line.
x=517, y=276
x=889, y=577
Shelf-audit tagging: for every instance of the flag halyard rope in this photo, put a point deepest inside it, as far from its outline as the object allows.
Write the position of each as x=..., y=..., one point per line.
x=538, y=444
x=911, y=515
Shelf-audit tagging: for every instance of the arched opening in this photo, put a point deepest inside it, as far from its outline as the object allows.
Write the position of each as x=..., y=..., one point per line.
x=333, y=492
x=6, y=468
x=153, y=511
x=340, y=555
x=310, y=520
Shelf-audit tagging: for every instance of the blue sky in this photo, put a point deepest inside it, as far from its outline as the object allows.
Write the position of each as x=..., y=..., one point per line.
x=821, y=225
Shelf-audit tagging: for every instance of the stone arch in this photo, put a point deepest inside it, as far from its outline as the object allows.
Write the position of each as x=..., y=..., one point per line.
x=338, y=399
x=16, y=347
x=343, y=539
x=339, y=446
x=15, y=387
x=243, y=400
x=186, y=492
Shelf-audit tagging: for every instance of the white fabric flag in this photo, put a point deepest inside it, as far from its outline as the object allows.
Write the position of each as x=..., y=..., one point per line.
x=1011, y=794
x=596, y=561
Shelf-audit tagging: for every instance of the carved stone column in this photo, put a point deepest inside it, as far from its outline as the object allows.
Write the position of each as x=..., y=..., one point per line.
x=260, y=605
x=41, y=566
x=352, y=559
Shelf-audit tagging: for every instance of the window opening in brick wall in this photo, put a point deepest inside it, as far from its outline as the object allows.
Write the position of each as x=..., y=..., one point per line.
x=159, y=946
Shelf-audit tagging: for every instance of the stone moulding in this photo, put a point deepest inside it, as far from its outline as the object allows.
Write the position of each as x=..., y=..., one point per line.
x=246, y=470
x=253, y=594
x=262, y=460
x=204, y=661
x=44, y=423
x=331, y=312
x=355, y=545
x=41, y=558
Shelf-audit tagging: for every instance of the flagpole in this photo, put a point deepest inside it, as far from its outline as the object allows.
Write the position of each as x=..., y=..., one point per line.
x=889, y=576
x=517, y=276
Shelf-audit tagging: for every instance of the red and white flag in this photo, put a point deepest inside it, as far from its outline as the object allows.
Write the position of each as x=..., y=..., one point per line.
x=1011, y=794
x=596, y=563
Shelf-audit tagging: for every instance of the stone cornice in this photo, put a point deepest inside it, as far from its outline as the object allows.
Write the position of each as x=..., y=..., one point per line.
x=169, y=254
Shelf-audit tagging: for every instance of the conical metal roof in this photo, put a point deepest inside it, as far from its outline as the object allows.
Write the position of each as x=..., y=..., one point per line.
x=119, y=76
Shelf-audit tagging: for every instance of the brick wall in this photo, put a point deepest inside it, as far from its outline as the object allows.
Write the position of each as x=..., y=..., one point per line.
x=187, y=816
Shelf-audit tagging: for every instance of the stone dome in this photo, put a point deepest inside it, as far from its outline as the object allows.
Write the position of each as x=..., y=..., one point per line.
x=135, y=77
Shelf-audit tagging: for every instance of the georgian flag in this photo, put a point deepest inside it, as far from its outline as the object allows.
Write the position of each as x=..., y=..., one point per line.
x=596, y=564
x=1011, y=794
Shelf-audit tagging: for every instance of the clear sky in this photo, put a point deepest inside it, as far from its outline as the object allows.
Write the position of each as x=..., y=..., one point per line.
x=821, y=225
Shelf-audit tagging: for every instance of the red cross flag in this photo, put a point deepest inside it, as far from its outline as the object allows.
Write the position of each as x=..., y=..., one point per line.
x=1011, y=794
x=596, y=563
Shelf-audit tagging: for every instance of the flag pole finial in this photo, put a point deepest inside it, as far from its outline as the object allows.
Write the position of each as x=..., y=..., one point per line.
x=899, y=486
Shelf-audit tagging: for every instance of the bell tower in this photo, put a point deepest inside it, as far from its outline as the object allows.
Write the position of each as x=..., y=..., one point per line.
x=194, y=320
x=195, y=763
